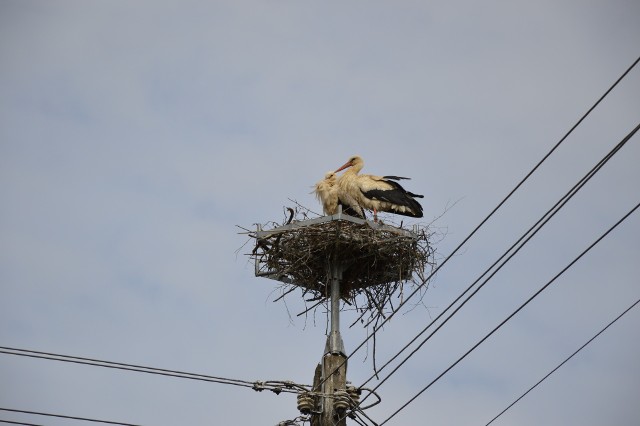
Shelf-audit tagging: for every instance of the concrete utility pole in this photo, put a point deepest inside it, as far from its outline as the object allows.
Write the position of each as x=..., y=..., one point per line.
x=348, y=255
x=332, y=370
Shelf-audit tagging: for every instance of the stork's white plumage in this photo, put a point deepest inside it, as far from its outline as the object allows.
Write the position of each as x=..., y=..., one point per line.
x=327, y=193
x=377, y=193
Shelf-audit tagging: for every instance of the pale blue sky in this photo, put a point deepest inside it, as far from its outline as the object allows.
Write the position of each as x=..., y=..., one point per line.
x=135, y=136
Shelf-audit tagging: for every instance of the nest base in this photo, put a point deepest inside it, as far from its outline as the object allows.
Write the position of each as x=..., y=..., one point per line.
x=370, y=254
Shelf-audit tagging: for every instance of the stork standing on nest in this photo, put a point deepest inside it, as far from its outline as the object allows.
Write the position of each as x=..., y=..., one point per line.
x=377, y=193
x=327, y=193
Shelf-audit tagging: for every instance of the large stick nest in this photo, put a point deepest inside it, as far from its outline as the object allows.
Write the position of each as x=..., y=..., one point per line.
x=377, y=259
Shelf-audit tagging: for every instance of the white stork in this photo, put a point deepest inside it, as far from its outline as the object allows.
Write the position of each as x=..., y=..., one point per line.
x=377, y=193
x=327, y=193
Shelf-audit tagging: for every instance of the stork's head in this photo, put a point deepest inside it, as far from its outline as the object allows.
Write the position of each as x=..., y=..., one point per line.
x=355, y=162
x=330, y=176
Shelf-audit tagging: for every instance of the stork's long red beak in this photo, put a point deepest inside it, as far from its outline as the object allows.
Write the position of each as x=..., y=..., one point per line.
x=346, y=165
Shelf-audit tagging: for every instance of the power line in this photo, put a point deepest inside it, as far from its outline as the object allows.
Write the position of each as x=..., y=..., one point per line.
x=531, y=232
x=526, y=237
x=563, y=362
x=418, y=288
x=528, y=175
x=66, y=417
x=18, y=423
x=275, y=386
x=512, y=314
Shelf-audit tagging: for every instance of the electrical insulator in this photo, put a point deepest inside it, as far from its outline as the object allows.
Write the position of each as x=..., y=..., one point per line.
x=340, y=400
x=305, y=403
x=354, y=395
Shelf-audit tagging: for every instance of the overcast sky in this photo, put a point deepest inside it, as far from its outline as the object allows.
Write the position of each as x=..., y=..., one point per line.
x=135, y=136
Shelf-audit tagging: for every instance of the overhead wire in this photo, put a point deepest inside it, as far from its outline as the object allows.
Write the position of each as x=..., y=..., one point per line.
x=531, y=232
x=359, y=412
x=358, y=415
x=272, y=385
x=523, y=240
x=18, y=423
x=536, y=294
x=85, y=419
x=473, y=232
x=515, y=188
x=564, y=362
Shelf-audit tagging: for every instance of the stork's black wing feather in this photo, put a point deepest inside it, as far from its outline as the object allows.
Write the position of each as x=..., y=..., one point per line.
x=396, y=177
x=399, y=197
x=351, y=211
x=399, y=187
x=415, y=195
